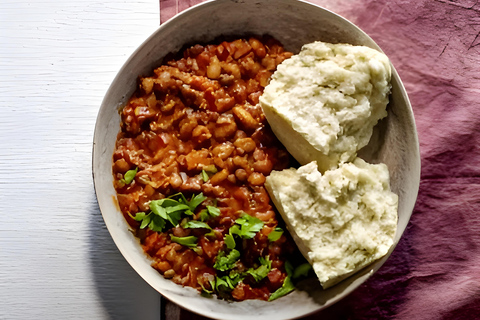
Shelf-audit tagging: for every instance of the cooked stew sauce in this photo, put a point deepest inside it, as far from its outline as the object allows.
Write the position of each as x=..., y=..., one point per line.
x=193, y=133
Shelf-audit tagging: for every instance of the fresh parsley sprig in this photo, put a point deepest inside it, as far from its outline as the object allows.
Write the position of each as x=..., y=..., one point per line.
x=275, y=234
x=287, y=285
x=262, y=271
x=225, y=262
x=246, y=226
x=170, y=210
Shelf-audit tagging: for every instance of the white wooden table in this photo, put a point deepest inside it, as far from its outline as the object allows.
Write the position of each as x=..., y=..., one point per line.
x=57, y=59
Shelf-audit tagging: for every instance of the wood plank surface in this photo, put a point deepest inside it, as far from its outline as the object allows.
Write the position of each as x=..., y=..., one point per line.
x=57, y=59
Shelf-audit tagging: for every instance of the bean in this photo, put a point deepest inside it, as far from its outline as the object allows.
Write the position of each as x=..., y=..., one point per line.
x=214, y=68
x=122, y=166
x=223, y=151
x=200, y=134
x=219, y=177
x=256, y=179
x=258, y=47
x=245, y=118
x=169, y=274
x=175, y=180
x=241, y=174
x=247, y=144
x=263, y=166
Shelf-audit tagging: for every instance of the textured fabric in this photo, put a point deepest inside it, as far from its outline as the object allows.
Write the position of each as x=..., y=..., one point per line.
x=434, y=272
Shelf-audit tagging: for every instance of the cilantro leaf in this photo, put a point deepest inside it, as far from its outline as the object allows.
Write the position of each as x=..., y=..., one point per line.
x=286, y=288
x=190, y=241
x=249, y=226
x=145, y=221
x=262, y=271
x=156, y=207
x=228, y=282
x=195, y=201
x=204, y=216
x=193, y=224
x=156, y=224
x=287, y=285
x=139, y=216
x=130, y=175
x=225, y=262
x=275, y=234
x=174, y=217
x=205, y=291
x=301, y=270
x=205, y=176
x=229, y=241
x=213, y=211
x=177, y=207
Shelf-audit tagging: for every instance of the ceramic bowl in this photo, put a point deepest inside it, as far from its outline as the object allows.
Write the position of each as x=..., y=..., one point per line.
x=294, y=23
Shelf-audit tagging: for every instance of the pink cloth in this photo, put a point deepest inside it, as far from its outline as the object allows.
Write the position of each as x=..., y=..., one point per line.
x=434, y=272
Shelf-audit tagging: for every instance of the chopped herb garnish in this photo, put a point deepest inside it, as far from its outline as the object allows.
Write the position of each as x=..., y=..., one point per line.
x=139, y=216
x=262, y=271
x=228, y=282
x=190, y=241
x=195, y=201
x=213, y=211
x=196, y=224
x=129, y=176
x=205, y=292
x=229, y=241
x=157, y=224
x=169, y=209
x=226, y=262
x=205, y=176
x=301, y=270
x=204, y=216
x=249, y=226
x=287, y=285
x=151, y=220
x=275, y=234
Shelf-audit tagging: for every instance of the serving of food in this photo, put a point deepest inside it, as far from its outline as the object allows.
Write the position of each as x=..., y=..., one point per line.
x=195, y=149
x=190, y=167
x=234, y=148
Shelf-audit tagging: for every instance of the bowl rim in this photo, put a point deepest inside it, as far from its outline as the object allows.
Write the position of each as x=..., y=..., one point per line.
x=182, y=15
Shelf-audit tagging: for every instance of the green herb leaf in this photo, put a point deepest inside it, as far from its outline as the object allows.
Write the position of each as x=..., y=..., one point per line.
x=193, y=224
x=139, y=216
x=156, y=207
x=229, y=241
x=130, y=175
x=196, y=201
x=190, y=241
x=213, y=211
x=225, y=262
x=286, y=288
x=205, y=176
x=174, y=217
x=204, y=216
x=275, y=234
x=205, y=291
x=156, y=224
x=287, y=285
x=146, y=220
x=249, y=226
x=221, y=283
x=262, y=271
x=301, y=270
x=177, y=207
x=211, y=234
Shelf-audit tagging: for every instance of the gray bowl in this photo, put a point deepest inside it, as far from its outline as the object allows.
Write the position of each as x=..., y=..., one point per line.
x=294, y=23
